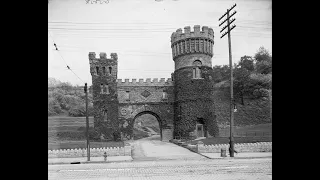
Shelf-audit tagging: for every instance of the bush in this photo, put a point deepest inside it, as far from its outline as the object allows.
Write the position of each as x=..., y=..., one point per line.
x=78, y=111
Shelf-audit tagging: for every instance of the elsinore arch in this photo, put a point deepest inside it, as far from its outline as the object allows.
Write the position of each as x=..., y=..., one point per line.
x=182, y=104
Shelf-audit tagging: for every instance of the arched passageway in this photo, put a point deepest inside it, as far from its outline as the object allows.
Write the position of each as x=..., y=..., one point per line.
x=146, y=124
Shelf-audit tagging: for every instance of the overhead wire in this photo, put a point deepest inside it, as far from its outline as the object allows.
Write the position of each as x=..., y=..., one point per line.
x=64, y=59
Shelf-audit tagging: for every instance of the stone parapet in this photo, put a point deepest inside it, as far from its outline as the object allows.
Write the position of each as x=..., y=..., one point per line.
x=146, y=82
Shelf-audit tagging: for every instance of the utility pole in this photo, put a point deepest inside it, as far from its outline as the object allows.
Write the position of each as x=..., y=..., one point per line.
x=232, y=106
x=87, y=122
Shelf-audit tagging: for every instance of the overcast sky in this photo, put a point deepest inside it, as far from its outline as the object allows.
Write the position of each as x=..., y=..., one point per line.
x=139, y=32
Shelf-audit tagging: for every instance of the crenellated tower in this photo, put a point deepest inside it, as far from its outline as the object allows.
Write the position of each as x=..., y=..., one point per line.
x=192, y=52
x=104, y=85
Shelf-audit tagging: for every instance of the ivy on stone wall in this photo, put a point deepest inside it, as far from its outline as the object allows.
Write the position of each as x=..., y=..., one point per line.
x=194, y=101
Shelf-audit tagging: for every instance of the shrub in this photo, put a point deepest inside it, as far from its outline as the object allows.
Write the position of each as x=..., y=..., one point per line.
x=78, y=111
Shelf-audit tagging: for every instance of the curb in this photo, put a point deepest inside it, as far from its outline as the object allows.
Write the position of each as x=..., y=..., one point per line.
x=225, y=158
x=89, y=162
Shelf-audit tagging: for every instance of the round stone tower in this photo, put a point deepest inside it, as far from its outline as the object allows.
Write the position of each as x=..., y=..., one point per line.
x=194, y=107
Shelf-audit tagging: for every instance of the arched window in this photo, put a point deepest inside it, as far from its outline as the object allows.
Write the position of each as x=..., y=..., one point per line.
x=97, y=70
x=107, y=89
x=164, y=95
x=101, y=88
x=196, y=73
x=105, y=115
x=110, y=70
x=127, y=96
x=104, y=70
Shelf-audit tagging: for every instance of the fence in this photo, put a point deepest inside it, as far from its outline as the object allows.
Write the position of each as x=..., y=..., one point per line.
x=239, y=147
x=94, y=152
x=245, y=134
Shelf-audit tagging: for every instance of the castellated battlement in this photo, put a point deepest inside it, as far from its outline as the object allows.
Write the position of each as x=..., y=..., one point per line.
x=196, y=33
x=102, y=55
x=195, y=41
x=146, y=82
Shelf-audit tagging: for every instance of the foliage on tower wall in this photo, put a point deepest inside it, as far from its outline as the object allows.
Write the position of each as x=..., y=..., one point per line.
x=194, y=99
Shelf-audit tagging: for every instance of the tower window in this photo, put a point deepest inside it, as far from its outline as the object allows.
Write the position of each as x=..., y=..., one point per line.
x=104, y=70
x=101, y=88
x=196, y=72
x=127, y=96
x=183, y=47
x=192, y=45
x=105, y=115
x=164, y=95
x=97, y=70
x=188, y=45
x=110, y=70
x=197, y=45
x=107, y=89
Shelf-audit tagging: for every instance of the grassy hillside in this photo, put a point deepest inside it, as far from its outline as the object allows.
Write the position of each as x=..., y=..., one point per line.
x=69, y=132
x=251, y=113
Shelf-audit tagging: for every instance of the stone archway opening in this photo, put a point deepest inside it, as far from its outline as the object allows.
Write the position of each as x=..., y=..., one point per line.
x=147, y=124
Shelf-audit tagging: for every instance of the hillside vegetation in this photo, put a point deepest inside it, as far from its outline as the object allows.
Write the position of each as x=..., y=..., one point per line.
x=252, y=90
x=65, y=99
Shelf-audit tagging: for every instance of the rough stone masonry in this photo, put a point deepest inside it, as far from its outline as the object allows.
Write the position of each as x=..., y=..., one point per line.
x=182, y=104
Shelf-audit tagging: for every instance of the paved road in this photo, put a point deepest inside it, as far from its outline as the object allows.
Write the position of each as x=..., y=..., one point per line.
x=151, y=131
x=151, y=148
x=222, y=169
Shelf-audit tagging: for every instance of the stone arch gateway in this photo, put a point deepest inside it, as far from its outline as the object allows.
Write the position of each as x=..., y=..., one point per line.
x=177, y=102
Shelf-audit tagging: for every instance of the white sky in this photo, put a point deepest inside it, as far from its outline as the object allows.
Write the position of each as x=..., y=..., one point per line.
x=139, y=32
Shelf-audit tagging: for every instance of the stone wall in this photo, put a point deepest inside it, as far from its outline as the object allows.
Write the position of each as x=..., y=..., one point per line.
x=94, y=152
x=239, y=147
x=184, y=61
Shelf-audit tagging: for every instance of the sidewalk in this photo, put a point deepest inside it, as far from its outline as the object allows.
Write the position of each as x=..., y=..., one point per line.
x=246, y=155
x=83, y=160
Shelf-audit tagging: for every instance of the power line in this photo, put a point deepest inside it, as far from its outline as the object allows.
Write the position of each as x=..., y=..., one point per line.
x=64, y=60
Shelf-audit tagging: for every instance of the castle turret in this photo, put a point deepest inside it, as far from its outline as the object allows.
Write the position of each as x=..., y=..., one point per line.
x=104, y=85
x=192, y=52
x=192, y=45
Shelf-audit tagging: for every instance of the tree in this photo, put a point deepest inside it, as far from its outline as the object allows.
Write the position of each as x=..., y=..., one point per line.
x=262, y=55
x=263, y=61
x=241, y=78
x=247, y=63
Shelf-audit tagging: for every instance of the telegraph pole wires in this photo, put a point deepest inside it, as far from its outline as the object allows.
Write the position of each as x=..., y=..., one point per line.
x=232, y=106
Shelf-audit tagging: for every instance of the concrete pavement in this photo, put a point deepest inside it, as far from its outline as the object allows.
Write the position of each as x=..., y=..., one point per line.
x=153, y=148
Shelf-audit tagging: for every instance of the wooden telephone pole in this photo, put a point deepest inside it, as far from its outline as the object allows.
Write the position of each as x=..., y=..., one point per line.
x=231, y=142
x=87, y=122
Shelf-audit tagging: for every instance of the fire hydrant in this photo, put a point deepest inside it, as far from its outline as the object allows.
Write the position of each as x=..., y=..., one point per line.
x=105, y=156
